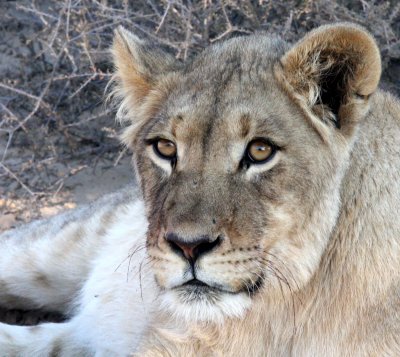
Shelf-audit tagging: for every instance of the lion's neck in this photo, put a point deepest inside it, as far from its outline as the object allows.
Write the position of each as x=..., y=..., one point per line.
x=364, y=245
x=360, y=270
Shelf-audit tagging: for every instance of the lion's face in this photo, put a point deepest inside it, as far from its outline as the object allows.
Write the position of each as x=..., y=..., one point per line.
x=241, y=190
x=253, y=220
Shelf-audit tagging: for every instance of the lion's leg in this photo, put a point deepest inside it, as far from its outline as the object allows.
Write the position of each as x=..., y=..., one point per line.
x=50, y=339
x=84, y=335
x=113, y=308
x=39, y=272
x=44, y=265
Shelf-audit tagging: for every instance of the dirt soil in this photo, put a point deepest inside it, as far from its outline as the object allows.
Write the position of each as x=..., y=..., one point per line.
x=58, y=140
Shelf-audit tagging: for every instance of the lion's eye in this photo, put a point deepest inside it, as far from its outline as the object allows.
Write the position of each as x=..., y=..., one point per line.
x=166, y=149
x=259, y=151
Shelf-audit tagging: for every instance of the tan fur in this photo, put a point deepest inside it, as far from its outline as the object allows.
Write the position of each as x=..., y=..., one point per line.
x=132, y=72
x=323, y=51
x=320, y=224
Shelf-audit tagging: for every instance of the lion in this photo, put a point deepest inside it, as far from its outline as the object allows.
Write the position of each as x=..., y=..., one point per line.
x=264, y=222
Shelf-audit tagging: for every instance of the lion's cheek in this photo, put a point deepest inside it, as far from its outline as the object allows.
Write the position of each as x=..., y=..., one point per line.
x=169, y=273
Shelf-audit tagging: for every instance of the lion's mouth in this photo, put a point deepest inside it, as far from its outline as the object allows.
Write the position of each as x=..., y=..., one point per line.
x=197, y=288
x=194, y=291
x=196, y=283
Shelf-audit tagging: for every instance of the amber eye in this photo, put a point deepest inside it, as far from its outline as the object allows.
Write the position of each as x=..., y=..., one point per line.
x=166, y=149
x=259, y=151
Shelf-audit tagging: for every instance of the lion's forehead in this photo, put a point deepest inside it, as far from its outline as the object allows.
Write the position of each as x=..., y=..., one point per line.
x=216, y=120
x=232, y=70
x=225, y=96
x=241, y=53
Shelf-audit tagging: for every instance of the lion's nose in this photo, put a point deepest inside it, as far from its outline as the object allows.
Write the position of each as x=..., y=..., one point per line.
x=193, y=248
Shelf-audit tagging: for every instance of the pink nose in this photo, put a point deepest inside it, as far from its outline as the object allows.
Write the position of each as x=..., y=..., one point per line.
x=191, y=249
x=188, y=251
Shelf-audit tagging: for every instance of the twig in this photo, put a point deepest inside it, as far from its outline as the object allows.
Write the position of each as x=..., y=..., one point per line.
x=15, y=177
x=41, y=14
x=12, y=115
x=163, y=16
x=19, y=91
x=67, y=21
x=10, y=135
x=83, y=86
x=120, y=156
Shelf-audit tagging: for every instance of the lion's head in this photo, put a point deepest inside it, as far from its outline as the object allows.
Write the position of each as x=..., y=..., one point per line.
x=240, y=155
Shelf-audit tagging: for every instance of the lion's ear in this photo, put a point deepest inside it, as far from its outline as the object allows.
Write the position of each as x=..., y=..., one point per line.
x=332, y=72
x=138, y=67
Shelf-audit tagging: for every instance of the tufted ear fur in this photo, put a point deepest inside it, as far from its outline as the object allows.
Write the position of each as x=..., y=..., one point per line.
x=139, y=69
x=331, y=73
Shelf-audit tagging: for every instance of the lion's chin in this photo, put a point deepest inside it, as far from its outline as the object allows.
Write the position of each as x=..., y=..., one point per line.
x=204, y=304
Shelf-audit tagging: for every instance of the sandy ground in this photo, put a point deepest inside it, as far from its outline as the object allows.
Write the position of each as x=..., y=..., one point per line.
x=83, y=187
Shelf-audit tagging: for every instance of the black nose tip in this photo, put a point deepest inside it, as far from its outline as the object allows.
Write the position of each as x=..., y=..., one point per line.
x=191, y=249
